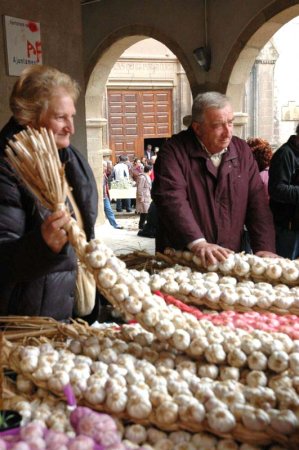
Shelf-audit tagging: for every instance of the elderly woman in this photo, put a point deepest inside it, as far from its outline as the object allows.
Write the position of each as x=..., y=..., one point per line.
x=38, y=267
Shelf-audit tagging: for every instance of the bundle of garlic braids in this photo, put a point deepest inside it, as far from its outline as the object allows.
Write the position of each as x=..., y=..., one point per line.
x=34, y=157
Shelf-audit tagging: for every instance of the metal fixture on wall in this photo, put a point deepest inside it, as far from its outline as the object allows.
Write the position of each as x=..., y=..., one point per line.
x=203, y=57
x=203, y=54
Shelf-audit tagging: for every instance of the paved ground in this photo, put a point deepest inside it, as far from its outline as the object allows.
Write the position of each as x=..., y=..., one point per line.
x=126, y=240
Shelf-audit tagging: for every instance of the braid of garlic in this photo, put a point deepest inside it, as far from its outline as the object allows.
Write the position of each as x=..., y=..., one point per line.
x=77, y=239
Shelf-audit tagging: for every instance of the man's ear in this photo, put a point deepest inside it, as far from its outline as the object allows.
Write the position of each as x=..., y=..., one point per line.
x=196, y=128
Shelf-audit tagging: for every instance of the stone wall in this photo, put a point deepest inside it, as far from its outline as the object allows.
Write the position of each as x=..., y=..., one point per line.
x=61, y=36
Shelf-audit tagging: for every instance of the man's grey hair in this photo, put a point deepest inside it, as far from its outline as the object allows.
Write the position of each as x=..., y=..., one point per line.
x=207, y=100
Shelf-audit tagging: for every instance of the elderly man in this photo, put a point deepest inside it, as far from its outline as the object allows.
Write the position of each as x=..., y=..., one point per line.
x=207, y=187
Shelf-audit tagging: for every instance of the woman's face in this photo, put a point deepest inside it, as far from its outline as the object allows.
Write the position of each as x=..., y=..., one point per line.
x=59, y=117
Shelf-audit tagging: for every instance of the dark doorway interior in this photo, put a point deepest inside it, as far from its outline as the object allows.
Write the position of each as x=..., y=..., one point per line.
x=155, y=142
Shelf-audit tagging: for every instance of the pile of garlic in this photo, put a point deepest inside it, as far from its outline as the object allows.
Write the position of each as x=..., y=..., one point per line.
x=240, y=378
x=45, y=408
x=241, y=265
x=225, y=292
x=133, y=436
x=153, y=439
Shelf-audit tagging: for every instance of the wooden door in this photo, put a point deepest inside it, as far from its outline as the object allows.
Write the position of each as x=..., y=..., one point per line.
x=137, y=115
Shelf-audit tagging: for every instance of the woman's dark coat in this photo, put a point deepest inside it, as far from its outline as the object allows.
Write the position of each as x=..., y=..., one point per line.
x=34, y=280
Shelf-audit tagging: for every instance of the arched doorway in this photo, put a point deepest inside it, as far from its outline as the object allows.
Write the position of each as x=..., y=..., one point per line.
x=147, y=96
x=245, y=61
x=158, y=98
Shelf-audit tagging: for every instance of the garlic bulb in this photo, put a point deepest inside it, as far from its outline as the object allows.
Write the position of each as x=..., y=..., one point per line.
x=229, y=373
x=274, y=271
x=24, y=384
x=107, y=278
x=229, y=295
x=256, y=419
x=228, y=444
x=250, y=345
x=29, y=359
x=236, y=358
x=120, y=292
x=213, y=294
x=204, y=441
x=215, y=354
x=154, y=435
x=294, y=362
x=193, y=411
x=278, y=361
x=257, y=361
x=43, y=372
x=221, y=420
x=290, y=272
x=284, y=422
x=228, y=264
x=242, y=267
x=167, y=413
x=285, y=302
x=133, y=305
x=115, y=264
x=157, y=397
x=95, y=394
x=256, y=378
x=96, y=259
x=164, y=329
x=116, y=401
x=181, y=339
x=139, y=407
x=157, y=282
x=136, y=433
x=151, y=317
x=208, y=371
x=58, y=381
x=258, y=265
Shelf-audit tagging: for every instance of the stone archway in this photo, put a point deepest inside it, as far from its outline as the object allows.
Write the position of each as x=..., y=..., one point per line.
x=95, y=107
x=242, y=67
x=95, y=117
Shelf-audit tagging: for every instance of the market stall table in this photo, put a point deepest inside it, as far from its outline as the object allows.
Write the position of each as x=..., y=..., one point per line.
x=122, y=193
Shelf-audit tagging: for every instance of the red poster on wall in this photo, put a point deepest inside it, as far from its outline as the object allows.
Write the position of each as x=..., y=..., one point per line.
x=23, y=44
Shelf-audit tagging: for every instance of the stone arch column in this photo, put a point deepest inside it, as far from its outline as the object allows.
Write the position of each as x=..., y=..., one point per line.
x=242, y=66
x=95, y=116
x=96, y=122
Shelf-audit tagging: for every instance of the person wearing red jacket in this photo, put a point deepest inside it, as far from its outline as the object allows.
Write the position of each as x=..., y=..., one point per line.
x=207, y=187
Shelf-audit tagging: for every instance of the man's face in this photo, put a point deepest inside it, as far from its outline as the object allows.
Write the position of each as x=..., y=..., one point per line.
x=216, y=130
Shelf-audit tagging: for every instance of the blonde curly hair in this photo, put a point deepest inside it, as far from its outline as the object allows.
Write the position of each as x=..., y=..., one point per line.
x=34, y=89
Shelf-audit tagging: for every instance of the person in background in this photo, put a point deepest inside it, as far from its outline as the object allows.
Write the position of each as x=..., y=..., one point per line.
x=120, y=172
x=106, y=200
x=143, y=195
x=137, y=169
x=262, y=153
x=207, y=186
x=38, y=266
x=148, y=152
x=143, y=161
x=109, y=168
x=283, y=189
x=152, y=163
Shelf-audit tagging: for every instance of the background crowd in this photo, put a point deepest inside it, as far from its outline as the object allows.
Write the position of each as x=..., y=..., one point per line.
x=138, y=173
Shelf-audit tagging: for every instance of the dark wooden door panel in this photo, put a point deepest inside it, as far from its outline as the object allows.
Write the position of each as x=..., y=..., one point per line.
x=137, y=115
